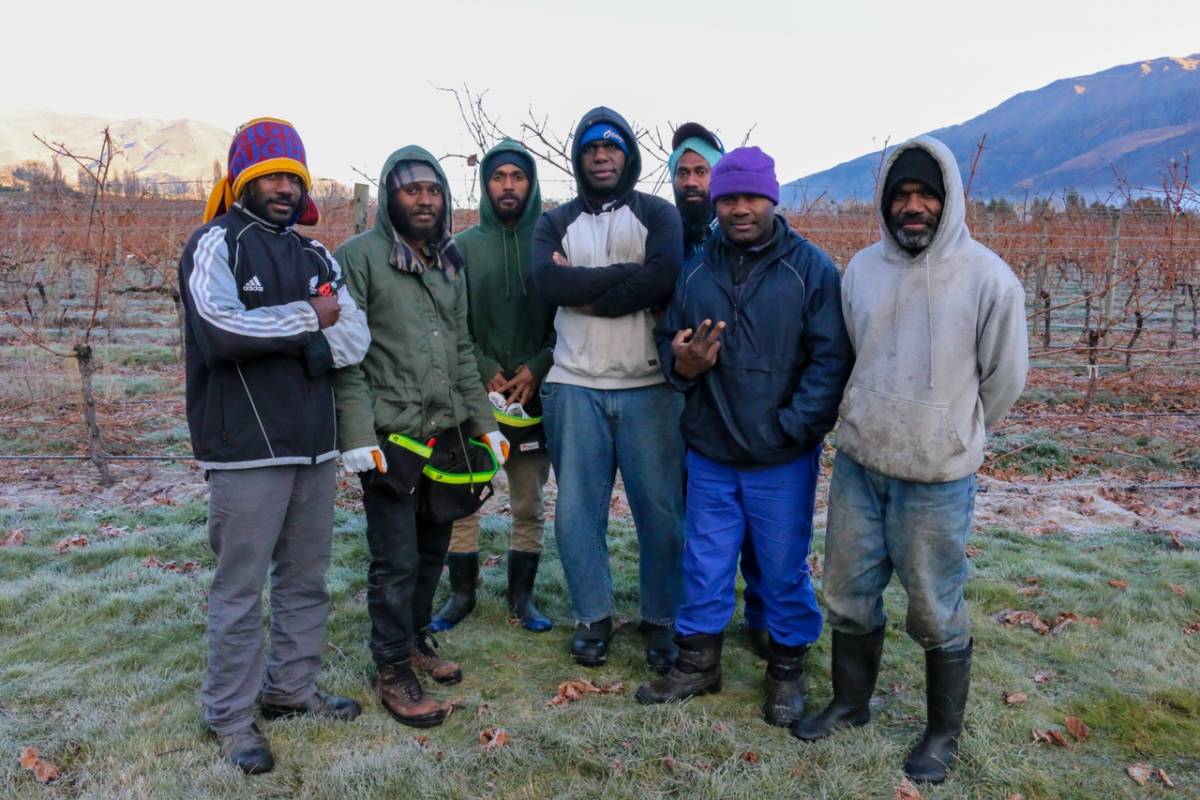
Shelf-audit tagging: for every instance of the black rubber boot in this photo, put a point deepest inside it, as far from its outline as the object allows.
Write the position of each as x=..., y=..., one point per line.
x=464, y=573
x=522, y=570
x=696, y=672
x=589, y=645
x=785, y=685
x=855, y=670
x=661, y=651
x=947, y=679
x=760, y=642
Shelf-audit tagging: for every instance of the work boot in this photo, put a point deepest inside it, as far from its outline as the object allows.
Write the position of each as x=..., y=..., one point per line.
x=947, y=678
x=784, y=683
x=589, y=645
x=464, y=574
x=404, y=699
x=855, y=670
x=522, y=569
x=319, y=704
x=661, y=652
x=759, y=640
x=425, y=659
x=697, y=671
x=247, y=750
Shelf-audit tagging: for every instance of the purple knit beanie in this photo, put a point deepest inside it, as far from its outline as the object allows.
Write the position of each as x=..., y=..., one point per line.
x=746, y=170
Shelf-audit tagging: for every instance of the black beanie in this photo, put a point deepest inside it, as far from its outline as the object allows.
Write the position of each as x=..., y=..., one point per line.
x=914, y=164
x=493, y=161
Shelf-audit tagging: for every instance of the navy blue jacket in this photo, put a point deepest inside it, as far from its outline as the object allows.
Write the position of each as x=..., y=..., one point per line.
x=784, y=358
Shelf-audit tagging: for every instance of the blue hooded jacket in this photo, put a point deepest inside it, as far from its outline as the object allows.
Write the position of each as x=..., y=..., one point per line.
x=784, y=358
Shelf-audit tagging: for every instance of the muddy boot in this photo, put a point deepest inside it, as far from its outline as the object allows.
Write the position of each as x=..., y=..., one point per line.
x=329, y=706
x=589, y=645
x=247, y=750
x=661, y=652
x=404, y=699
x=785, y=685
x=855, y=669
x=425, y=659
x=697, y=671
x=464, y=573
x=759, y=641
x=522, y=569
x=947, y=678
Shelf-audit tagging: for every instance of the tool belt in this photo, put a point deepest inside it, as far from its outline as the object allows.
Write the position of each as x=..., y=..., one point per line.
x=456, y=482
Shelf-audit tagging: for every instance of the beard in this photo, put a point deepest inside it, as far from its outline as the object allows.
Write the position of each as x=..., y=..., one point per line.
x=256, y=203
x=509, y=214
x=406, y=229
x=694, y=213
x=914, y=241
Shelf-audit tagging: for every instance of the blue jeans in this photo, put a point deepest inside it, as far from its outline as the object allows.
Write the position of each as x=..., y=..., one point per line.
x=878, y=525
x=772, y=508
x=591, y=434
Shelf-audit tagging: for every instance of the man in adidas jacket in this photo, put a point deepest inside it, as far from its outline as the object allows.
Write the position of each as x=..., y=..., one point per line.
x=608, y=259
x=268, y=318
x=938, y=326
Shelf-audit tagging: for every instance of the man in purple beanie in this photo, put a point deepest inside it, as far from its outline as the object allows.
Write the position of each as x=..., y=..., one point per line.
x=754, y=339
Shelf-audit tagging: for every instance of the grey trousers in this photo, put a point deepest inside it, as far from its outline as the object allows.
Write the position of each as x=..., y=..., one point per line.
x=277, y=520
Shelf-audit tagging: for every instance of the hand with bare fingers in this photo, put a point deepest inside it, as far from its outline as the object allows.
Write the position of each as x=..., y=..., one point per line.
x=696, y=351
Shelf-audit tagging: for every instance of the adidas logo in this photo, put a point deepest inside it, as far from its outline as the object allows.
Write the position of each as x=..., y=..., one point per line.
x=252, y=285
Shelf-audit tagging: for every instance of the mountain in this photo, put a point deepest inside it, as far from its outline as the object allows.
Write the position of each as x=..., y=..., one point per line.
x=157, y=151
x=1076, y=133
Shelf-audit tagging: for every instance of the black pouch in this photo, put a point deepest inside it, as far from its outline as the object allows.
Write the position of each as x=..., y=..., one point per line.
x=406, y=458
x=457, y=483
x=524, y=435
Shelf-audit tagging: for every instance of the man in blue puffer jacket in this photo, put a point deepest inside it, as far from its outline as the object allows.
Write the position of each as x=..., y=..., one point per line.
x=755, y=340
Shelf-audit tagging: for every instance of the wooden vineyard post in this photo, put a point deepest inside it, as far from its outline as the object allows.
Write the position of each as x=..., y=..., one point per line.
x=362, y=199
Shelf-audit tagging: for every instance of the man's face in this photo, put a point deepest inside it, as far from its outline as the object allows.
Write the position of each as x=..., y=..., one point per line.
x=275, y=197
x=747, y=219
x=508, y=189
x=603, y=163
x=913, y=215
x=416, y=210
x=691, y=186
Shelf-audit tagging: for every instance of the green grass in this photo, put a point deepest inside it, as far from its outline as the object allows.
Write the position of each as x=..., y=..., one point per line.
x=102, y=659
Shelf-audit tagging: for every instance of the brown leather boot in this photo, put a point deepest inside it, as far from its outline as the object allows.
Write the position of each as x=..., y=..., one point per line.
x=404, y=698
x=425, y=659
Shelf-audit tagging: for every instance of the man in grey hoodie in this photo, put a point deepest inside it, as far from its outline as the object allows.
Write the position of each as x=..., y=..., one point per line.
x=937, y=322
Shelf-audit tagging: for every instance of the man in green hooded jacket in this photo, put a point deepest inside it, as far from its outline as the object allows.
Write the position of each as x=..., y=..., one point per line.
x=418, y=380
x=513, y=330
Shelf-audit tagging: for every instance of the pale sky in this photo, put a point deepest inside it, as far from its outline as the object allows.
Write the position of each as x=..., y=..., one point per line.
x=822, y=82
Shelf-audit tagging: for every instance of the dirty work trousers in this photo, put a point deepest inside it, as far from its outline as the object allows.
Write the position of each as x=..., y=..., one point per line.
x=770, y=506
x=276, y=520
x=527, y=474
x=407, y=554
x=592, y=433
x=879, y=525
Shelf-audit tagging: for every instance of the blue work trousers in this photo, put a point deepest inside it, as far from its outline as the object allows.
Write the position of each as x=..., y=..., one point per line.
x=771, y=506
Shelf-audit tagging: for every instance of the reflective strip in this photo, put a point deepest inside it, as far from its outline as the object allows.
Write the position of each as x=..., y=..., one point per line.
x=400, y=439
x=515, y=422
x=463, y=478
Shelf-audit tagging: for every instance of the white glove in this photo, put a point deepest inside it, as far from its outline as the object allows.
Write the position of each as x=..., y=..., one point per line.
x=364, y=459
x=499, y=445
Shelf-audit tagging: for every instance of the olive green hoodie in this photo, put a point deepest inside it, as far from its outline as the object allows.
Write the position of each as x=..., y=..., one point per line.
x=511, y=323
x=419, y=375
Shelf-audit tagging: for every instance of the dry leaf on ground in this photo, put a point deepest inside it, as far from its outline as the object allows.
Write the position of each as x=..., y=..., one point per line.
x=1044, y=675
x=1162, y=776
x=492, y=561
x=1117, y=583
x=570, y=691
x=107, y=531
x=13, y=538
x=1177, y=589
x=972, y=551
x=1050, y=737
x=171, y=566
x=1015, y=698
x=750, y=757
x=1077, y=728
x=1010, y=618
x=799, y=772
x=70, y=542
x=906, y=791
x=1062, y=621
x=1015, y=796
x=484, y=708
x=815, y=568
x=44, y=771
x=1191, y=628
x=492, y=738
x=1139, y=772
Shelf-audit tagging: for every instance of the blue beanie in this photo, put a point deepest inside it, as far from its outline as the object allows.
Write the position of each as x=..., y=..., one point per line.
x=604, y=130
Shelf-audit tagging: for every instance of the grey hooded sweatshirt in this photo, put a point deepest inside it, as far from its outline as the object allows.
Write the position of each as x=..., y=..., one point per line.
x=940, y=344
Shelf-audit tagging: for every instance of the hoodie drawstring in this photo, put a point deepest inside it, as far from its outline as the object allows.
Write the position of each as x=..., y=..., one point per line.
x=929, y=315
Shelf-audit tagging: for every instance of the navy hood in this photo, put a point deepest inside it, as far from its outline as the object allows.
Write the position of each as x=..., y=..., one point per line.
x=633, y=160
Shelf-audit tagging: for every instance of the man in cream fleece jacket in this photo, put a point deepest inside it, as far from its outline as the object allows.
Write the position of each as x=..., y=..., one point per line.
x=937, y=322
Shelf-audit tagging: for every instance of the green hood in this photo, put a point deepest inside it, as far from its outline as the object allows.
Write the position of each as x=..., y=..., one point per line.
x=412, y=152
x=510, y=322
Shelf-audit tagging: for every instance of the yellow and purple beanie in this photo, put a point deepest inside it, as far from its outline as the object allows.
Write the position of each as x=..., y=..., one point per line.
x=260, y=147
